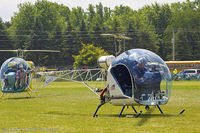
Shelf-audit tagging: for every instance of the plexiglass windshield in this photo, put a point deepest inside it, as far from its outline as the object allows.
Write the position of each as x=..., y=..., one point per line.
x=150, y=76
x=13, y=75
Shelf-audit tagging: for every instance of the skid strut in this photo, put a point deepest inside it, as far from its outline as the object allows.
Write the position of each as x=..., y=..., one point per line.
x=182, y=112
x=122, y=111
x=132, y=108
x=102, y=103
x=159, y=109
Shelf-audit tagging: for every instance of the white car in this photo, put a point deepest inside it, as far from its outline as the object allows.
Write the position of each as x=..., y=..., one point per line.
x=191, y=72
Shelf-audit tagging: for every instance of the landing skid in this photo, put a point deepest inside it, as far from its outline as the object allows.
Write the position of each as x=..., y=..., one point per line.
x=102, y=103
x=8, y=95
x=163, y=113
x=28, y=91
x=138, y=114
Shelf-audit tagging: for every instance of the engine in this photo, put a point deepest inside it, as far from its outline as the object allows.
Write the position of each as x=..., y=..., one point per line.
x=105, y=61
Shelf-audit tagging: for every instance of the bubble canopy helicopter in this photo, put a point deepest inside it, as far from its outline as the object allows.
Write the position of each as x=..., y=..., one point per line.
x=13, y=76
x=16, y=73
x=141, y=76
x=135, y=77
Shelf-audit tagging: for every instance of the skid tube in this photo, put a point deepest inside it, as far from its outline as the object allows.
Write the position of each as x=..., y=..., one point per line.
x=102, y=103
x=162, y=111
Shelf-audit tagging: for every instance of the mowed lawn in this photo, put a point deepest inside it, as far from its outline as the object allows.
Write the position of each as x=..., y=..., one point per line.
x=68, y=107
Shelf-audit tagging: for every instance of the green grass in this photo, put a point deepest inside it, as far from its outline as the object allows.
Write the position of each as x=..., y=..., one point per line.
x=68, y=107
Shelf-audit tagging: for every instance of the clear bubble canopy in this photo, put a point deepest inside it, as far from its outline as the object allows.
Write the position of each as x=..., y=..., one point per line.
x=13, y=76
x=146, y=73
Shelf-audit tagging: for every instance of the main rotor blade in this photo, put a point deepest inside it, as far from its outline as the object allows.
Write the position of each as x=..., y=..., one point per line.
x=20, y=50
x=127, y=38
x=119, y=36
x=108, y=35
x=8, y=50
x=56, y=51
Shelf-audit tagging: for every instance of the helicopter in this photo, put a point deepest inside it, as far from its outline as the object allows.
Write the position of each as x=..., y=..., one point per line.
x=16, y=74
x=136, y=77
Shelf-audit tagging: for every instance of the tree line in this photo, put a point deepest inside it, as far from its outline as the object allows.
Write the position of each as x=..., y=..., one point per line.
x=53, y=26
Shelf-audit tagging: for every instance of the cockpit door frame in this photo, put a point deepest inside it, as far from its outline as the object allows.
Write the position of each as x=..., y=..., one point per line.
x=131, y=78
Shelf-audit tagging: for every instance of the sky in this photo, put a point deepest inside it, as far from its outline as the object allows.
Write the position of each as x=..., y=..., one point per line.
x=8, y=7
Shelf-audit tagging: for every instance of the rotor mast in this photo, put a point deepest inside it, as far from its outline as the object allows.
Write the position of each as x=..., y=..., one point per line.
x=118, y=38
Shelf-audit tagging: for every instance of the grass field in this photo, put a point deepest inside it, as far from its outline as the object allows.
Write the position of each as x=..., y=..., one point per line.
x=68, y=107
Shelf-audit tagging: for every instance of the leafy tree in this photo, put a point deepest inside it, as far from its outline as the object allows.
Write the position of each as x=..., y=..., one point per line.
x=5, y=42
x=99, y=11
x=35, y=26
x=68, y=46
x=76, y=17
x=88, y=56
x=185, y=23
x=84, y=35
x=159, y=16
x=107, y=14
x=64, y=11
x=91, y=13
x=21, y=25
x=48, y=25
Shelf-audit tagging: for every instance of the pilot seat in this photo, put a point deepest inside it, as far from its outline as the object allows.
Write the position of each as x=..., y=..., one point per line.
x=11, y=82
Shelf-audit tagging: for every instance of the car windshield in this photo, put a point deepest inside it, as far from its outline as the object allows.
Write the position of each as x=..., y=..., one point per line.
x=189, y=71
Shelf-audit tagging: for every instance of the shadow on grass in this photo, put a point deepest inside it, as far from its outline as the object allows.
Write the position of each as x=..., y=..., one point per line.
x=144, y=116
x=108, y=116
x=65, y=114
x=52, y=95
x=147, y=115
x=18, y=98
